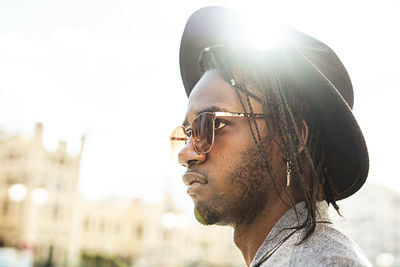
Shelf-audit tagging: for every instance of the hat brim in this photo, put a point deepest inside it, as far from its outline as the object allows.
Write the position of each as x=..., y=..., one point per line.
x=347, y=154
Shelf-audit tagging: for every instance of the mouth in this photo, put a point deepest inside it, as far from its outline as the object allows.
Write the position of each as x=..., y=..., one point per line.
x=190, y=178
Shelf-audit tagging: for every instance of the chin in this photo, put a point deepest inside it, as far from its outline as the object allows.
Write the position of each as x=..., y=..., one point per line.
x=206, y=215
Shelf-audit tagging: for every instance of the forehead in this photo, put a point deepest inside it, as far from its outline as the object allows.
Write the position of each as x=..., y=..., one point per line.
x=212, y=93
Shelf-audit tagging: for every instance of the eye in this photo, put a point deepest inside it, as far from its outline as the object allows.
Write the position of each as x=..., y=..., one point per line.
x=219, y=124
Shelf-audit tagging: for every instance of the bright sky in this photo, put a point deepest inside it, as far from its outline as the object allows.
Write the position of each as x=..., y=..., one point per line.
x=109, y=70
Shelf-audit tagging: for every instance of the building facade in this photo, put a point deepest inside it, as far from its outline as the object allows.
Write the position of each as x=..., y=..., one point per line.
x=372, y=219
x=41, y=212
x=39, y=198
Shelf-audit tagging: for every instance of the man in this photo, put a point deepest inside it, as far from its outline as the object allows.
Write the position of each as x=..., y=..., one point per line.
x=269, y=140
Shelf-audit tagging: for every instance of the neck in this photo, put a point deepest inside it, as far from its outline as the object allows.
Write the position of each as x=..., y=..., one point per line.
x=248, y=238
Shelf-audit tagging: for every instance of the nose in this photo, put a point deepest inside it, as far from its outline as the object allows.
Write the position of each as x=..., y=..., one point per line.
x=188, y=156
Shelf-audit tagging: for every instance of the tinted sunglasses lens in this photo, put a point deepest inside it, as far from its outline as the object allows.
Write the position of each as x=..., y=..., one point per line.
x=203, y=132
x=178, y=140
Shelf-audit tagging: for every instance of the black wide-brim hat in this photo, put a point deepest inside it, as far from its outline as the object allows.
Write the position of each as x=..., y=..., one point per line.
x=315, y=67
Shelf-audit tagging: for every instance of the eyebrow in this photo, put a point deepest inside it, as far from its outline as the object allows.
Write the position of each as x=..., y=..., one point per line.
x=208, y=109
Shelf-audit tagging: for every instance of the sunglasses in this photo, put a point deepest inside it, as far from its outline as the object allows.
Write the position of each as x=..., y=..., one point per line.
x=202, y=130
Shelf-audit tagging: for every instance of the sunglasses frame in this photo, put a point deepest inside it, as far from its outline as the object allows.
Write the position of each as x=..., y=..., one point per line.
x=188, y=130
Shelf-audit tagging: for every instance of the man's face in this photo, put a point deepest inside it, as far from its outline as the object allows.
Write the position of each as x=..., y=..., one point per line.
x=233, y=185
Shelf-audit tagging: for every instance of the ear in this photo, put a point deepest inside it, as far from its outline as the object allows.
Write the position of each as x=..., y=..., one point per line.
x=304, y=135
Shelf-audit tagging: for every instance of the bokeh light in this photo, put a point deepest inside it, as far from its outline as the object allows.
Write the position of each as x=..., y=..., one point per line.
x=17, y=192
x=40, y=196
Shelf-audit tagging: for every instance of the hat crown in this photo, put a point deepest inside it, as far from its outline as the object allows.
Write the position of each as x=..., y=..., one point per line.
x=214, y=25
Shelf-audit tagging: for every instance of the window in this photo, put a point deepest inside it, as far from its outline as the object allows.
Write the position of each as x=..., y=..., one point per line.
x=102, y=226
x=58, y=184
x=139, y=231
x=86, y=224
x=55, y=212
x=117, y=229
x=11, y=179
x=6, y=206
x=12, y=155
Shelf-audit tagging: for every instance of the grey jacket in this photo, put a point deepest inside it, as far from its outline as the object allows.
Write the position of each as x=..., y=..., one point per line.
x=325, y=247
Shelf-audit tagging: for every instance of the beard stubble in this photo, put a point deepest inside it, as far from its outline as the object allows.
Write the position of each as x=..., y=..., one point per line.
x=250, y=183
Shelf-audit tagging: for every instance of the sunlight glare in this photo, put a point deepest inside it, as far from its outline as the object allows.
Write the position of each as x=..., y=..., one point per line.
x=261, y=32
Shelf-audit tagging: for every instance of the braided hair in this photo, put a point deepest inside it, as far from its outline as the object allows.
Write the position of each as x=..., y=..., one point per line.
x=263, y=75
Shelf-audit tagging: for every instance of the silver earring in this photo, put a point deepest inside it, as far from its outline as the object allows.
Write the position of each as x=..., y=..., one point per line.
x=288, y=171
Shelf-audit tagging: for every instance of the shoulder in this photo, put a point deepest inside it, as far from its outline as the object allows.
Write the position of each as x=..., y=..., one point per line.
x=328, y=247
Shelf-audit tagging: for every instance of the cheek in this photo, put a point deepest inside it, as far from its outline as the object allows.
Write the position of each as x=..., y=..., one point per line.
x=229, y=147
x=226, y=156
x=230, y=144
x=233, y=140
x=225, y=153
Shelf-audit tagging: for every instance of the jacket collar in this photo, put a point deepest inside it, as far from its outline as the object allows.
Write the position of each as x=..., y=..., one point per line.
x=284, y=227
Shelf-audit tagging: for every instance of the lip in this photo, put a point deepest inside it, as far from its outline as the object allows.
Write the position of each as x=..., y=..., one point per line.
x=191, y=177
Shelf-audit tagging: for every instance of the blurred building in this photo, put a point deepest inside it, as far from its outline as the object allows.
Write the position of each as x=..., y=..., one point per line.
x=39, y=198
x=115, y=230
x=145, y=234
x=372, y=219
x=41, y=213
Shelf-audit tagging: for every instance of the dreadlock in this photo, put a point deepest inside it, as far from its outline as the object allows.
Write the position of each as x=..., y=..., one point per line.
x=265, y=73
